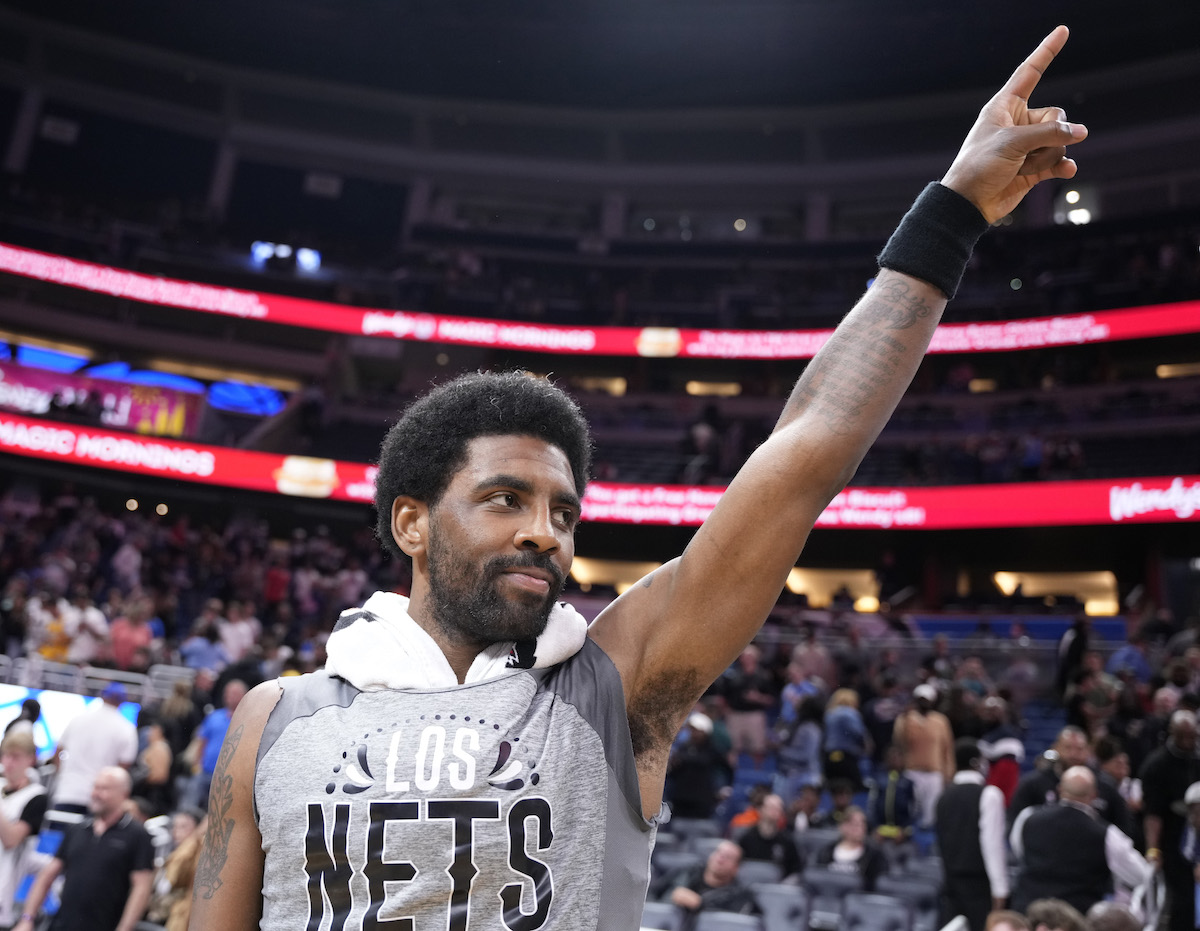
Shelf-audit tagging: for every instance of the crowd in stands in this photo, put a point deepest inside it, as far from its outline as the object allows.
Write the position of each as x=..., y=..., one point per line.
x=857, y=732
x=741, y=284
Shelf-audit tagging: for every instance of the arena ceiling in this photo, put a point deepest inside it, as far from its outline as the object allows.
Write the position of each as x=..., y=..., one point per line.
x=643, y=53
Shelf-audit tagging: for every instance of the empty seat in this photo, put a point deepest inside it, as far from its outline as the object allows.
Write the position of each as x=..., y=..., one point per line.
x=784, y=907
x=688, y=828
x=827, y=888
x=924, y=895
x=815, y=839
x=929, y=867
x=703, y=846
x=759, y=871
x=662, y=916
x=727, y=921
x=866, y=911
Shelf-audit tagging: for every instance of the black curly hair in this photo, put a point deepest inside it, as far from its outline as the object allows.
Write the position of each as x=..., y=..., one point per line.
x=421, y=453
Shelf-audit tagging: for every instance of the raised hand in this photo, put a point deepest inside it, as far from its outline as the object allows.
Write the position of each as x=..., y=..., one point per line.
x=1012, y=147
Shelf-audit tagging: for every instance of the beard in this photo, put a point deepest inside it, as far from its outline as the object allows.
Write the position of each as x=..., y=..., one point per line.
x=467, y=603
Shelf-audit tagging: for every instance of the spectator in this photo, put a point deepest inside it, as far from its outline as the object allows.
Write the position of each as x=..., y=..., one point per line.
x=846, y=741
x=770, y=839
x=841, y=797
x=47, y=634
x=107, y=865
x=239, y=631
x=203, y=649
x=96, y=738
x=970, y=832
x=799, y=755
x=749, y=692
x=692, y=770
x=1112, y=916
x=713, y=887
x=22, y=806
x=152, y=780
x=1066, y=851
x=804, y=808
x=171, y=904
x=1041, y=786
x=924, y=738
x=1054, y=915
x=1002, y=746
x=87, y=627
x=1071, y=649
x=131, y=636
x=26, y=720
x=939, y=664
x=1005, y=920
x=893, y=802
x=1166, y=776
x=1131, y=657
x=855, y=853
x=209, y=737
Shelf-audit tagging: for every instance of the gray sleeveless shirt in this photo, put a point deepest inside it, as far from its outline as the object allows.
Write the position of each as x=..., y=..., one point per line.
x=506, y=804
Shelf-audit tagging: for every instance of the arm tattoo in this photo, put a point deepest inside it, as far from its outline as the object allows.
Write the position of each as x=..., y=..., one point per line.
x=215, y=849
x=861, y=358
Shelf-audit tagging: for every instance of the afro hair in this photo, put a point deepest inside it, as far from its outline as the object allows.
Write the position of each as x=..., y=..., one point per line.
x=428, y=445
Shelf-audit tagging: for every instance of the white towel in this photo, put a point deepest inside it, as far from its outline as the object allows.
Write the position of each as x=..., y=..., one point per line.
x=378, y=646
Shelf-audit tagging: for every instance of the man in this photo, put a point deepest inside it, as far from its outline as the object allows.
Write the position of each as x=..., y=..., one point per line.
x=1055, y=915
x=1040, y=786
x=750, y=691
x=22, y=806
x=1112, y=916
x=970, y=833
x=1067, y=851
x=1004, y=920
x=770, y=839
x=694, y=771
x=713, y=886
x=107, y=865
x=1166, y=775
x=209, y=737
x=421, y=777
x=924, y=737
x=97, y=737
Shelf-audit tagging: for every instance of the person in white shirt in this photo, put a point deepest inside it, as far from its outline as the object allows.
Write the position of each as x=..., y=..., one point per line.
x=87, y=627
x=97, y=737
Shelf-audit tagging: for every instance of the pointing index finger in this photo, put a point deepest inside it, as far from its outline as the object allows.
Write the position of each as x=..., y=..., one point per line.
x=1030, y=71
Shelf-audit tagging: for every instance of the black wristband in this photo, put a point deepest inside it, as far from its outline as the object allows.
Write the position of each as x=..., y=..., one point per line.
x=934, y=240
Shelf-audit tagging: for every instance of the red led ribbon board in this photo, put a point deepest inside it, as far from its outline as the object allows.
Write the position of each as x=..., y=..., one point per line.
x=654, y=342
x=1166, y=499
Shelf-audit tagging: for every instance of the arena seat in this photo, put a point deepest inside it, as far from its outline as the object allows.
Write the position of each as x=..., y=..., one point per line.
x=784, y=907
x=759, y=871
x=727, y=921
x=865, y=911
x=827, y=889
x=924, y=895
x=815, y=839
x=660, y=916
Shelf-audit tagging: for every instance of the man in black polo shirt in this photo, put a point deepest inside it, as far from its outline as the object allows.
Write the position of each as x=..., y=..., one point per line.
x=107, y=861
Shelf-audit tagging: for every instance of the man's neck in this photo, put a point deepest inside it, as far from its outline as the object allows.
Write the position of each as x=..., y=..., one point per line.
x=460, y=652
x=102, y=823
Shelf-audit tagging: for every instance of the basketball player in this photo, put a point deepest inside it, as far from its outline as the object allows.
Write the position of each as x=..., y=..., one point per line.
x=471, y=756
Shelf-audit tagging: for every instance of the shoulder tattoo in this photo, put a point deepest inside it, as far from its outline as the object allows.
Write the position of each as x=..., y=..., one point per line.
x=215, y=849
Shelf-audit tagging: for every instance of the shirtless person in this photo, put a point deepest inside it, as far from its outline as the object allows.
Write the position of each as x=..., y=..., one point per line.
x=924, y=736
x=476, y=756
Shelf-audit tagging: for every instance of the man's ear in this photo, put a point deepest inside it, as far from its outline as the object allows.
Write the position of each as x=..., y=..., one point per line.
x=410, y=525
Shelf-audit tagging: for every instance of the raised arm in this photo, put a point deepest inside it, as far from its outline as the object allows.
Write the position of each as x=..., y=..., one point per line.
x=673, y=633
x=227, y=893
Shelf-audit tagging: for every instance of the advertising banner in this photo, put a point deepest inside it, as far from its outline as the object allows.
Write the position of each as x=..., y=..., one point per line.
x=653, y=342
x=138, y=408
x=1161, y=499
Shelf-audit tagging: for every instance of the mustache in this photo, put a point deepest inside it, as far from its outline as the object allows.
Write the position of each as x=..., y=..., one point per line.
x=529, y=560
